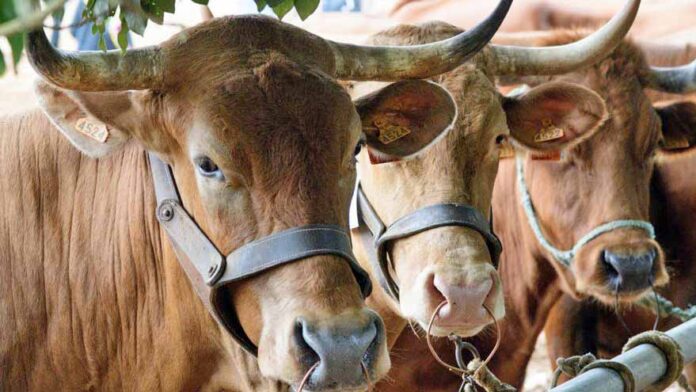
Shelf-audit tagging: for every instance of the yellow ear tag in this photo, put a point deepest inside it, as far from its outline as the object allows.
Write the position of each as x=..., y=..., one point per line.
x=549, y=132
x=93, y=129
x=389, y=132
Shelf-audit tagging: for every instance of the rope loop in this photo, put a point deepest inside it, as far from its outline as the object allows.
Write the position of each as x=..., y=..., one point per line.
x=579, y=364
x=670, y=349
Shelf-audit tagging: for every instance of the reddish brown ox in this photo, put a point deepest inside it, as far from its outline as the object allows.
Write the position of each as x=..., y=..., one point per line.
x=449, y=262
x=605, y=178
x=578, y=327
x=617, y=159
x=260, y=138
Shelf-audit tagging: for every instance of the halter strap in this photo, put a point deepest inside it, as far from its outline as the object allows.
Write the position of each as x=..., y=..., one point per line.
x=565, y=257
x=208, y=270
x=375, y=235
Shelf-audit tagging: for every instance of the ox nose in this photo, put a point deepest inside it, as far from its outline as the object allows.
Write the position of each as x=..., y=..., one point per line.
x=465, y=303
x=343, y=350
x=630, y=272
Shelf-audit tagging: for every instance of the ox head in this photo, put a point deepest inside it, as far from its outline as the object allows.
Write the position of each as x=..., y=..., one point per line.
x=606, y=177
x=454, y=263
x=261, y=138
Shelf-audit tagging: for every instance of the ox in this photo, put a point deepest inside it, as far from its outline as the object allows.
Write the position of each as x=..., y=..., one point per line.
x=601, y=187
x=421, y=262
x=580, y=327
x=260, y=138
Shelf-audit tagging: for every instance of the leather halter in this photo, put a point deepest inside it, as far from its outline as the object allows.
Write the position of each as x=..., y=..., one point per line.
x=209, y=271
x=376, y=236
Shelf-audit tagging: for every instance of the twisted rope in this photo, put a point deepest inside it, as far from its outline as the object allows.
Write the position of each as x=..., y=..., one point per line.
x=565, y=257
x=667, y=307
x=670, y=349
x=579, y=364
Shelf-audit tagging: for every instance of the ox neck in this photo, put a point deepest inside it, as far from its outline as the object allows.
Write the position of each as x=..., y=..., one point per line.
x=565, y=257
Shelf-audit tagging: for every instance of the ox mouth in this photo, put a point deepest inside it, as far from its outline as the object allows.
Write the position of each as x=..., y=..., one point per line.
x=610, y=297
x=443, y=330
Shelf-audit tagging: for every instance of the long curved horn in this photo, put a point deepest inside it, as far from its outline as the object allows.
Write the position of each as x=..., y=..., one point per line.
x=95, y=71
x=553, y=60
x=355, y=62
x=675, y=80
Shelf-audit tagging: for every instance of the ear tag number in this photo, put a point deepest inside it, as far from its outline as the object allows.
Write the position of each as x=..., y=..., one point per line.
x=93, y=129
x=549, y=132
x=390, y=132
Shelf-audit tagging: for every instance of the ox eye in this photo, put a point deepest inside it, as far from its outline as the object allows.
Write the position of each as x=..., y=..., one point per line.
x=500, y=139
x=358, y=148
x=207, y=168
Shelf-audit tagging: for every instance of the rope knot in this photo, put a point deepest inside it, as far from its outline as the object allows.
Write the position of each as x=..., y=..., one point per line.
x=670, y=349
x=572, y=366
x=579, y=364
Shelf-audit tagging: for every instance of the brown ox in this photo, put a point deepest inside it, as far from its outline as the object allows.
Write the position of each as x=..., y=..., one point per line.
x=451, y=263
x=260, y=138
x=605, y=178
x=578, y=327
x=617, y=159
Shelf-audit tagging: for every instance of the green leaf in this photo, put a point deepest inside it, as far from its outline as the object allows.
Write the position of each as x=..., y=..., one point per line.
x=276, y=3
x=168, y=5
x=260, y=5
x=137, y=21
x=306, y=7
x=283, y=8
x=202, y=2
x=102, y=42
x=123, y=35
x=17, y=45
x=3, y=68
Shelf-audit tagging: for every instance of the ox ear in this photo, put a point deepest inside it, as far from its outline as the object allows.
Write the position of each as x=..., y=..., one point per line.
x=96, y=123
x=403, y=118
x=678, y=125
x=554, y=116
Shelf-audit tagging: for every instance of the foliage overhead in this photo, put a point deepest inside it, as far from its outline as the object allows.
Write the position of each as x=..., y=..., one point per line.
x=134, y=16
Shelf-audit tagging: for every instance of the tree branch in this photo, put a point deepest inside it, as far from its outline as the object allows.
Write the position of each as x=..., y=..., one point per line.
x=31, y=21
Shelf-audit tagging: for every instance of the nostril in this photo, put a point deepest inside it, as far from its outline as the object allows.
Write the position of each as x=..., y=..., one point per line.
x=372, y=351
x=306, y=355
x=436, y=295
x=610, y=265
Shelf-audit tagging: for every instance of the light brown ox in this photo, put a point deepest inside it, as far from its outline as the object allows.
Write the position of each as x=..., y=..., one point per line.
x=453, y=264
x=603, y=177
x=260, y=136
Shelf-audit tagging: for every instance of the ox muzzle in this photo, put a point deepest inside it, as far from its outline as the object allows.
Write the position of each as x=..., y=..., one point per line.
x=376, y=236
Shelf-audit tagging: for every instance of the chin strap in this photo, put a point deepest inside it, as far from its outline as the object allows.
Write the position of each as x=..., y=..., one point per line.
x=565, y=257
